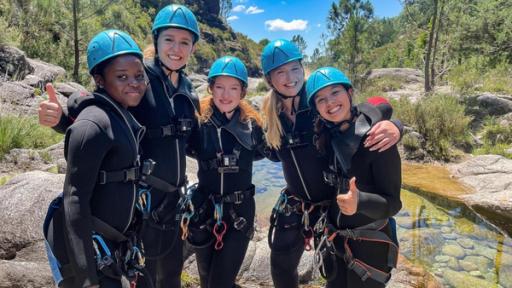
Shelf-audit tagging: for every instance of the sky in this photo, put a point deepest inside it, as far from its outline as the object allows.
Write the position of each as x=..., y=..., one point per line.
x=274, y=19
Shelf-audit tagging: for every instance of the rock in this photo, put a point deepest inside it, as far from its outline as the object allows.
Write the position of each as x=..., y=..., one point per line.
x=23, y=204
x=465, y=243
x=198, y=79
x=476, y=274
x=407, y=74
x=14, y=63
x=408, y=275
x=17, y=98
x=505, y=120
x=442, y=258
x=453, y=264
x=256, y=101
x=489, y=175
x=461, y=279
x=494, y=105
x=25, y=274
x=253, y=83
x=450, y=236
x=46, y=71
x=481, y=263
x=68, y=88
x=468, y=266
x=454, y=251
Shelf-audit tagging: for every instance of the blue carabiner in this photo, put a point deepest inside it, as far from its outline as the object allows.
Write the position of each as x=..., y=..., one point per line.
x=281, y=202
x=102, y=244
x=218, y=213
x=144, y=201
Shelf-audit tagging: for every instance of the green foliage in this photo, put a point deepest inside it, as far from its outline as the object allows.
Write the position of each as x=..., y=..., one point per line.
x=24, y=132
x=262, y=87
x=441, y=121
x=475, y=75
x=496, y=138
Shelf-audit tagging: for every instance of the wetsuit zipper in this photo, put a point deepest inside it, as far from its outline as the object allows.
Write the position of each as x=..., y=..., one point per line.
x=171, y=101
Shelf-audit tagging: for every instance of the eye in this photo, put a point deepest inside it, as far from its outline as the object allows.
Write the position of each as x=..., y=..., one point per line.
x=122, y=77
x=140, y=77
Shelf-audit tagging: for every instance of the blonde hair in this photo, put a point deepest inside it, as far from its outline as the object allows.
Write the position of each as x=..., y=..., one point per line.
x=272, y=106
x=247, y=112
x=273, y=129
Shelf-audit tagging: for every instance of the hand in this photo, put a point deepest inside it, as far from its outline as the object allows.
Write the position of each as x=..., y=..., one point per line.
x=50, y=110
x=382, y=136
x=348, y=202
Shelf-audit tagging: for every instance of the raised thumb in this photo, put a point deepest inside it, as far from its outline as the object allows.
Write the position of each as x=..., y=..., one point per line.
x=352, y=184
x=52, y=96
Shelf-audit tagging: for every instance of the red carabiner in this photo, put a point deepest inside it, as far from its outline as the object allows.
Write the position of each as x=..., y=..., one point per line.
x=218, y=243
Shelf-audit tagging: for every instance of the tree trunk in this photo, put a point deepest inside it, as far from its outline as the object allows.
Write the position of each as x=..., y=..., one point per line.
x=438, y=28
x=76, y=65
x=428, y=86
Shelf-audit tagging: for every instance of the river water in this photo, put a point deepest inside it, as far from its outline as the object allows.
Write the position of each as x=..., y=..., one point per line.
x=445, y=237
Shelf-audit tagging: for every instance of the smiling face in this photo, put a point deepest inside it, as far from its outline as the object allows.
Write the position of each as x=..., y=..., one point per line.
x=175, y=47
x=288, y=79
x=227, y=93
x=124, y=80
x=333, y=103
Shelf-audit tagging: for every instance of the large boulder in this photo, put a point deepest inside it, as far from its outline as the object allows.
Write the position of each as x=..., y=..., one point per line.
x=408, y=75
x=23, y=204
x=494, y=105
x=14, y=63
x=17, y=98
x=489, y=176
x=45, y=71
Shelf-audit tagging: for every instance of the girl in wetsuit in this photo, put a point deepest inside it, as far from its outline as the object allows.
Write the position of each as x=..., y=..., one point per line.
x=359, y=246
x=289, y=133
x=228, y=140
x=94, y=229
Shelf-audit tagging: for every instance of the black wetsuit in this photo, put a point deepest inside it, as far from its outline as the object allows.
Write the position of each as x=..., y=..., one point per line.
x=378, y=179
x=167, y=112
x=242, y=141
x=303, y=168
x=103, y=139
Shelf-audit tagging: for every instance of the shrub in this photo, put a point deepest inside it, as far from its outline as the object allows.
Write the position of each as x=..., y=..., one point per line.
x=440, y=119
x=496, y=138
x=24, y=132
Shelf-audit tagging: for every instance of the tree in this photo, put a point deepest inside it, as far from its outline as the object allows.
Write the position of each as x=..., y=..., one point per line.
x=263, y=42
x=347, y=22
x=428, y=52
x=300, y=42
x=225, y=8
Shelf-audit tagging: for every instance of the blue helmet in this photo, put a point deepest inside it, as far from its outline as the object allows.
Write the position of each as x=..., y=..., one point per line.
x=277, y=53
x=109, y=44
x=228, y=66
x=323, y=77
x=176, y=16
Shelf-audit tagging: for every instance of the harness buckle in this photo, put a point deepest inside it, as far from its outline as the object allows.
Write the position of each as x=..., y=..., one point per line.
x=168, y=130
x=102, y=177
x=239, y=197
x=131, y=174
x=239, y=223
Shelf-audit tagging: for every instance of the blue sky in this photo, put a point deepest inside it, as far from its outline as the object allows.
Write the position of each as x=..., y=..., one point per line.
x=274, y=19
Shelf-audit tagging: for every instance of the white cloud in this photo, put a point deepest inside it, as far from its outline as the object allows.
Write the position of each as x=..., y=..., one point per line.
x=238, y=8
x=281, y=25
x=232, y=18
x=254, y=10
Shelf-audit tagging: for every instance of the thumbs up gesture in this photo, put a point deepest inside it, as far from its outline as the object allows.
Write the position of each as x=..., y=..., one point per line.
x=348, y=202
x=50, y=110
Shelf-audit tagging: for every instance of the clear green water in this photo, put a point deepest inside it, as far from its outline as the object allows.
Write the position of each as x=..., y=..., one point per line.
x=447, y=238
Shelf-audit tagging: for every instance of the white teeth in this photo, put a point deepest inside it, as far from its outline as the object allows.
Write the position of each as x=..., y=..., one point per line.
x=334, y=110
x=174, y=57
x=291, y=84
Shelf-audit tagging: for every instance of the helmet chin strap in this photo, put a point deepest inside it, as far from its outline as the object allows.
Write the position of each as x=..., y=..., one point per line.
x=169, y=68
x=336, y=126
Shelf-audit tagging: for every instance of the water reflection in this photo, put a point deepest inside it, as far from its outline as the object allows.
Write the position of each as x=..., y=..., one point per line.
x=448, y=239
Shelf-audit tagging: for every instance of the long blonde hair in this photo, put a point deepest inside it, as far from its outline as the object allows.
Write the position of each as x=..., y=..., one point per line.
x=272, y=106
x=273, y=129
x=247, y=112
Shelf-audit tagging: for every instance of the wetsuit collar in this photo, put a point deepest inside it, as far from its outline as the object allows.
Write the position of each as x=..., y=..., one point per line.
x=242, y=130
